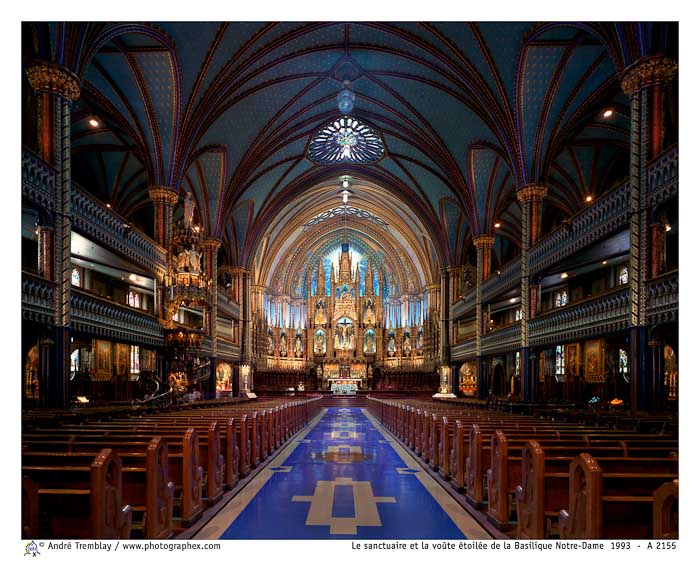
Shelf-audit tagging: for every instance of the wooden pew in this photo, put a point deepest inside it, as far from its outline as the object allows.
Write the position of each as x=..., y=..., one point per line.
x=544, y=483
x=607, y=505
x=666, y=511
x=82, y=498
x=145, y=483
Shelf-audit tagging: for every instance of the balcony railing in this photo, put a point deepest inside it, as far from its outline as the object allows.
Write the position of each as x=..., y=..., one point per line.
x=496, y=284
x=662, y=177
x=464, y=305
x=504, y=339
x=662, y=299
x=597, y=316
x=227, y=306
x=465, y=350
x=91, y=217
x=103, y=318
x=37, y=299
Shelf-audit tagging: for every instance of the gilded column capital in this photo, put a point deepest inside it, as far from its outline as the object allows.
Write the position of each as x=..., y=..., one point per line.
x=648, y=72
x=485, y=241
x=164, y=195
x=211, y=244
x=52, y=78
x=531, y=192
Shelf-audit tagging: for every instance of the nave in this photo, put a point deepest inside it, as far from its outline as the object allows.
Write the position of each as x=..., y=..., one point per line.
x=344, y=477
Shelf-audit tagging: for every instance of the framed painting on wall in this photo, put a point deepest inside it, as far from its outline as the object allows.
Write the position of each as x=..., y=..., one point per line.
x=571, y=362
x=148, y=360
x=593, y=360
x=103, y=362
x=122, y=359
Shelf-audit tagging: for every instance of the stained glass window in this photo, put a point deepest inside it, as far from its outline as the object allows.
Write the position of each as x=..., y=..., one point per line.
x=557, y=300
x=561, y=299
x=134, y=360
x=75, y=277
x=564, y=298
x=623, y=277
x=624, y=366
x=518, y=314
x=134, y=299
x=346, y=139
x=559, y=363
x=517, y=363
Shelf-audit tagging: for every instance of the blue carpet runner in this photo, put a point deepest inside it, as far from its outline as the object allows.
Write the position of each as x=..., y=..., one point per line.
x=346, y=479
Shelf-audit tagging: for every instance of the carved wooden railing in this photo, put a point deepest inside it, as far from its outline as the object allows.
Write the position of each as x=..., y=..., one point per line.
x=37, y=298
x=607, y=215
x=103, y=318
x=38, y=180
x=501, y=280
x=597, y=316
x=501, y=340
x=227, y=306
x=94, y=220
x=662, y=298
x=662, y=177
x=227, y=350
x=464, y=305
x=90, y=217
x=464, y=350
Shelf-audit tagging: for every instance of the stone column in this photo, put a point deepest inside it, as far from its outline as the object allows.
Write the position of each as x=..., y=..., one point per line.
x=641, y=83
x=530, y=199
x=446, y=374
x=164, y=201
x=45, y=253
x=59, y=88
x=210, y=247
x=484, y=244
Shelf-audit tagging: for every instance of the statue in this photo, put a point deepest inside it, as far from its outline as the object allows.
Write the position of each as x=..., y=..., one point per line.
x=370, y=343
x=195, y=261
x=320, y=316
x=183, y=261
x=283, y=345
x=391, y=346
x=319, y=342
x=406, y=346
x=297, y=347
x=189, y=210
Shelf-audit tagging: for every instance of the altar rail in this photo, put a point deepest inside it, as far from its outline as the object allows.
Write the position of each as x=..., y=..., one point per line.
x=90, y=217
x=103, y=318
x=662, y=299
x=596, y=316
x=504, y=339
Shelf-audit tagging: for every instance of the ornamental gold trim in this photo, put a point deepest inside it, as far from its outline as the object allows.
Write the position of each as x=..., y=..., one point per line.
x=484, y=240
x=53, y=78
x=531, y=192
x=211, y=244
x=648, y=72
x=164, y=195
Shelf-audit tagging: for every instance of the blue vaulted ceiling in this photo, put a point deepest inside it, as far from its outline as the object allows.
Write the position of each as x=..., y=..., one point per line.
x=469, y=112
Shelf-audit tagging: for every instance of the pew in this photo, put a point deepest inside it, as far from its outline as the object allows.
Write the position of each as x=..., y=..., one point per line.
x=606, y=505
x=81, y=498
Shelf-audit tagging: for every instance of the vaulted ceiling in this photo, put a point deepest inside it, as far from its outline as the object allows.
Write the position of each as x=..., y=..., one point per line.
x=468, y=112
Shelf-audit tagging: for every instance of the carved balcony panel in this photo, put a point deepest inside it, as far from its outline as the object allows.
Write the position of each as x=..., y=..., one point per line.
x=505, y=339
x=496, y=284
x=662, y=177
x=226, y=350
x=662, y=299
x=606, y=216
x=464, y=305
x=595, y=317
x=102, y=225
x=37, y=299
x=102, y=318
x=38, y=180
x=464, y=351
x=227, y=306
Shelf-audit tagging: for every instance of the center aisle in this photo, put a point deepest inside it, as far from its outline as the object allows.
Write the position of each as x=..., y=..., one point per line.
x=343, y=477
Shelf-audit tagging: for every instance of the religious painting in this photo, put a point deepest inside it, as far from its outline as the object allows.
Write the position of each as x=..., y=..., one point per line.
x=223, y=376
x=148, y=360
x=593, y=356
x=370, y=346
x=121, y=353
x=103, y=364
x=572, y=360
x=467, y=378
x=31, y=374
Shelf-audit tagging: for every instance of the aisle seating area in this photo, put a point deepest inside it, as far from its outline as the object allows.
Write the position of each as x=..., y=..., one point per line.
x=148, y=476
x=537, y=478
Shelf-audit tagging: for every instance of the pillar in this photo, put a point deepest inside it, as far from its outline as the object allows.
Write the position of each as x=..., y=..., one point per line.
x=45, y=253
x=484, y=244
x=210, y=248
x=58, y=88
x=642, y=82
x=530, y=198
x=164, y=201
